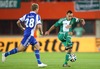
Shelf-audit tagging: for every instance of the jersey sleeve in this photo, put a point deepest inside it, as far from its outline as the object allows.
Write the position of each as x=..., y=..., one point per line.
x=38, y=20
x=22, y=19
x=58, y=23
x=77, y=19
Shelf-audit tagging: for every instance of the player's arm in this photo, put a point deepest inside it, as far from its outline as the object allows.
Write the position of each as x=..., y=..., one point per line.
x=39, y=26
x=19, y=25
x=57, y=24
x=51, y=28
x=21, y=20
x=82, y=21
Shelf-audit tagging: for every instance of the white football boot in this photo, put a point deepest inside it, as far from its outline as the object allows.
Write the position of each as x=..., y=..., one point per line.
x=3, y=57
x=42, y=65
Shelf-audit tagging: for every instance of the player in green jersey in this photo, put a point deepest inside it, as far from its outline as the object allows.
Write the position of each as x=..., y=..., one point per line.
x=66, y=25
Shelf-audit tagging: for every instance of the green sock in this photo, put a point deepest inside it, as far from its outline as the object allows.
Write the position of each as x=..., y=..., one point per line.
x=67, y=58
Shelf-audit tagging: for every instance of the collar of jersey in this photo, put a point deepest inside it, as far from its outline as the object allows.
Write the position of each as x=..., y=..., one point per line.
x=67, y=19
x=32, y=12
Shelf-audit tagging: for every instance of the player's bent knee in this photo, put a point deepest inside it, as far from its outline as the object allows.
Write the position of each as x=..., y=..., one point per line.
x=21, y=48
x=37, y=46
x=67, y=48
x=70, y=50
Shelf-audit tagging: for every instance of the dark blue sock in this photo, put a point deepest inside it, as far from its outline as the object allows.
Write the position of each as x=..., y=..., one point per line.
x=13, y=51
x=37, y=54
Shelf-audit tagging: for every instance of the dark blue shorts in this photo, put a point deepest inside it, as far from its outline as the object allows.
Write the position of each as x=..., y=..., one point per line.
x=28, y=40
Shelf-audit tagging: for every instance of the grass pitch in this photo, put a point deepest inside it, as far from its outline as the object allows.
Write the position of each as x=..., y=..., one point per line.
x=54, y=61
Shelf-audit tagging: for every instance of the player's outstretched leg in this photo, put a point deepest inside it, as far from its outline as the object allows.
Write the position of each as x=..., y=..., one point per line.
x=13, y=51
x=37, y=54
x=4, y=55
x=67, y=59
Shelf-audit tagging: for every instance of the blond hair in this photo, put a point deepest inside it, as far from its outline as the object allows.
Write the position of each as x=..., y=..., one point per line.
x=34, y=6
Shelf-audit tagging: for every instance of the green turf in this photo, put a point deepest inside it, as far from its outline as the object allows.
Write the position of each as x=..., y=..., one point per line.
x=54, y=61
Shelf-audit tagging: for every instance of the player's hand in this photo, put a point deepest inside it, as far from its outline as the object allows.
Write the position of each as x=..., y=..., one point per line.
x=41, y=33
x=23, y=29
x=47, y=33
x=83, y=21
x=68, y=26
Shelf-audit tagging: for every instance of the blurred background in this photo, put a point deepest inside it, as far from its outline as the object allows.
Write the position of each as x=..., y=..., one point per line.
x=51, y=11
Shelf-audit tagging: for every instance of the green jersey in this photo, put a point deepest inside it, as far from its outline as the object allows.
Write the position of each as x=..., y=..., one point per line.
x=63, y=22
x=63, y=35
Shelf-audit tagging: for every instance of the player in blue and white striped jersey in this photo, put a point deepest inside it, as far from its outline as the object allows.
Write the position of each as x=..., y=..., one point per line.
x=31, y=21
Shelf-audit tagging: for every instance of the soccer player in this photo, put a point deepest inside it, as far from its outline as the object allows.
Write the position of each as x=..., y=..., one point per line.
x=31, y=21
x=66, y=25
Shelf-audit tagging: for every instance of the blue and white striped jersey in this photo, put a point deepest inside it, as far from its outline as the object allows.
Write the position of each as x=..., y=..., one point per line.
x=30, y=20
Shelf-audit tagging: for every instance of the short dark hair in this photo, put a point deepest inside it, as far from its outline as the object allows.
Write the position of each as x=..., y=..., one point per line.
x=69, y=11
x=34, y=6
